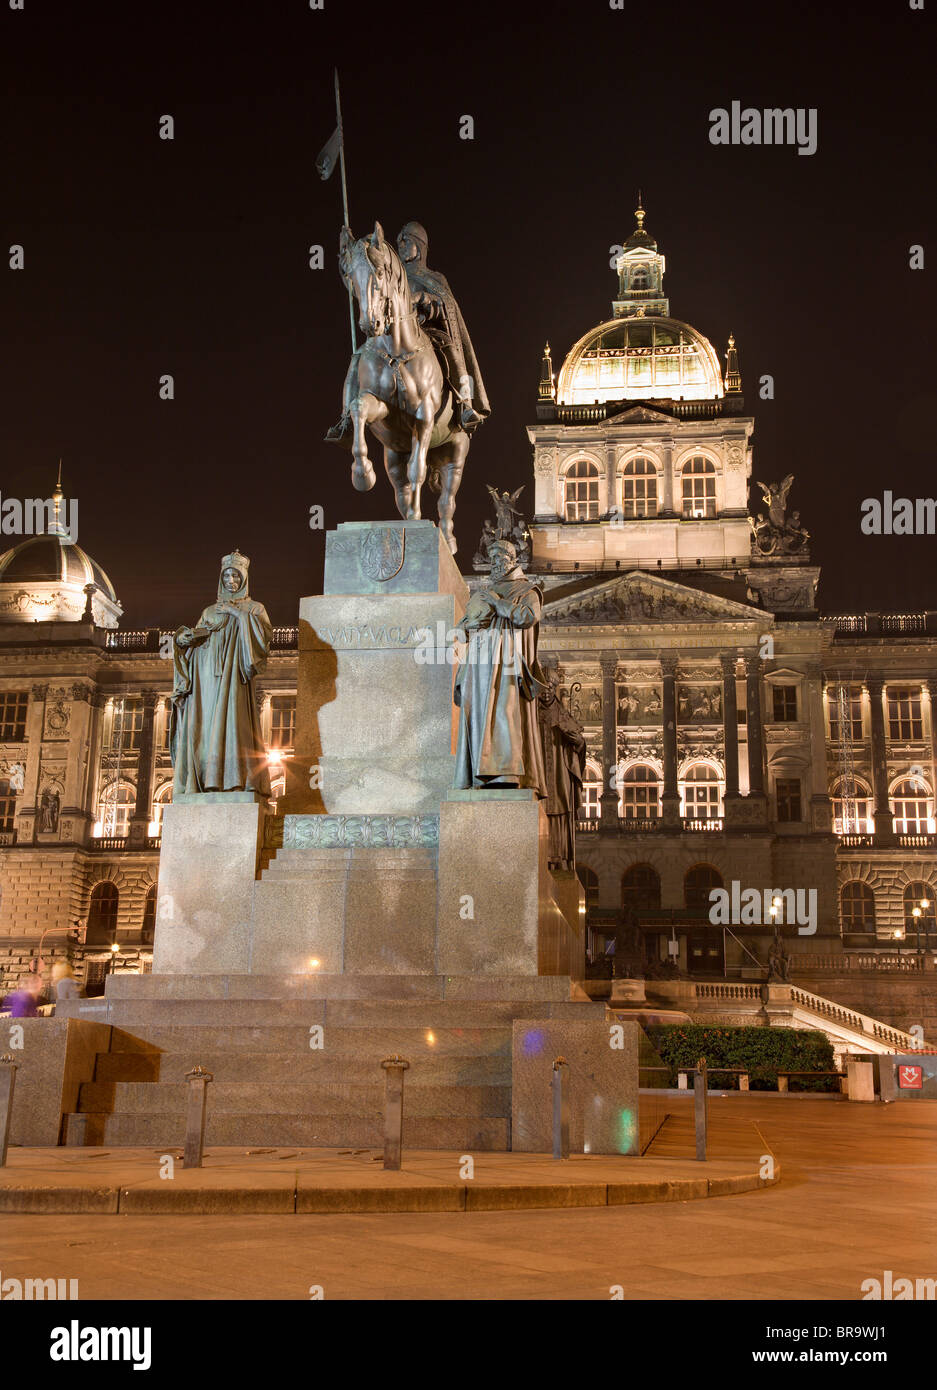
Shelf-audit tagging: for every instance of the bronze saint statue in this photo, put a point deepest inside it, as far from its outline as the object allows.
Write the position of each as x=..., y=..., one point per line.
x=499, y=680
x=415, y=382
x=564, y=757
x=215, y=738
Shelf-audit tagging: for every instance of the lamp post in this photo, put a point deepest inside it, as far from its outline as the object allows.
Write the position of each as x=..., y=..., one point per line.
x=115, y=952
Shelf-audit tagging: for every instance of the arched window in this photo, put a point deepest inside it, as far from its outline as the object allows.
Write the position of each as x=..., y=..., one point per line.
x=911, y=807
x=639, y=488
x=698, y=884
x=102, y=914
x=582, y=491
x=852, y=815
x=922, y=896
x=701, y=788
x=115, y=809
x=590, y=882
x=640, y=793
x=640, y=888
x=149, y=914
x=591, y=807
x=857, y=906
x=699, y=487
x=639, y=278
x=161, y=800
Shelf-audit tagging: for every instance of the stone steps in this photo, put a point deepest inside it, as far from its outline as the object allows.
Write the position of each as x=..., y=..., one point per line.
x=464, y=1134
x=377, y=1042
x=302, y=1098
x=341, y=1013
x=274, y=988
x=326, y=1067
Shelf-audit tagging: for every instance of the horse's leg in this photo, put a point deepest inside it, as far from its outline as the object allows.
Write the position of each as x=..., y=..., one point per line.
x=396, y=466
x=449, y=460
x=416, y=465
x=366, y=410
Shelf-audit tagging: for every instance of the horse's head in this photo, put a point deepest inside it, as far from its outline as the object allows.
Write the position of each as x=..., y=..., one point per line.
x=376, y=275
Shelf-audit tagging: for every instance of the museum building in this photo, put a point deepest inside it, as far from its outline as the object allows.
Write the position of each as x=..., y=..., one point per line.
x=735, y=734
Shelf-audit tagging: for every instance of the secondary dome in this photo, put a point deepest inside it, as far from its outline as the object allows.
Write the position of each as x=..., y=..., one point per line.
x=640, y=358
x=44, y=576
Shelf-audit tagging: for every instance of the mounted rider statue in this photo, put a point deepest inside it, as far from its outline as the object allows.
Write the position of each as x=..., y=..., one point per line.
x=423, y=411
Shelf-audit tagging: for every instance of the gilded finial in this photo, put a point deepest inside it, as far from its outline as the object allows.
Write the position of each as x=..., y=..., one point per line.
x=639, y=212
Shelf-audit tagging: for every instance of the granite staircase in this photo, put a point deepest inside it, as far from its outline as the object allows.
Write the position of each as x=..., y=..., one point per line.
x=307, y=1070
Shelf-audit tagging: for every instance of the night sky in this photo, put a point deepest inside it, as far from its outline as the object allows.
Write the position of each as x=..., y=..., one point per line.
x=146, y=256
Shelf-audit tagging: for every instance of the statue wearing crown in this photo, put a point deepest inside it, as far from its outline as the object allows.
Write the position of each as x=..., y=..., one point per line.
x=215, y=739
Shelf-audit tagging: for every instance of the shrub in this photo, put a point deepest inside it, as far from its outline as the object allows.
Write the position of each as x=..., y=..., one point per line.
x=763, y=1052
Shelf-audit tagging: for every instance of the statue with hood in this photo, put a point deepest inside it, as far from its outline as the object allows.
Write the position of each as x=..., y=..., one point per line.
x=499, y=680
x=215, y=739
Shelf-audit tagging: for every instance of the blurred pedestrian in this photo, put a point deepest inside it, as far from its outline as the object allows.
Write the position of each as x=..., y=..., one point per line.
x=22, y=1002
x=63, y=981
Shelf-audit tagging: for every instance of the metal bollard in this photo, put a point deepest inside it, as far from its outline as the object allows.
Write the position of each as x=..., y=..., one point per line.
x=560, y=1108
x=701, y=1106
x=394, y=1068
x=7, y=1082
x=196, y=1104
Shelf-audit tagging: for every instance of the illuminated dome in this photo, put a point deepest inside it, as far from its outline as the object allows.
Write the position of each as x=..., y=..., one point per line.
x=44, y=577
x=637, y=359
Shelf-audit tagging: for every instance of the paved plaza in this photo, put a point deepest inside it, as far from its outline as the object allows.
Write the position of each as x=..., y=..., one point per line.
x=855, y=1198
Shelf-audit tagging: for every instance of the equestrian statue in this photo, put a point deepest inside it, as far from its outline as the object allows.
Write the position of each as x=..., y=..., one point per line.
x=415, y=381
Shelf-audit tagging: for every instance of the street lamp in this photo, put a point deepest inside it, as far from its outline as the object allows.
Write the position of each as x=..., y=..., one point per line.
x=916, y=914
x=115, y=952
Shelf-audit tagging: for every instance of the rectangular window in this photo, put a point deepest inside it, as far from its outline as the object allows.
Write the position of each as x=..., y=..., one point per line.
x=785, y=704
x=7, y=806
x=904, y=715
x=852, y=703
x=282, y=721
x=13, y=715
x=788, y=797
x=126, y=725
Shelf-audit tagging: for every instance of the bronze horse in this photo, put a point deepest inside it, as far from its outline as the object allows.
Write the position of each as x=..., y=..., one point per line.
x=396, y=386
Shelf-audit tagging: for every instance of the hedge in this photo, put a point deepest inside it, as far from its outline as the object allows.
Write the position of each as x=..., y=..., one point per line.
x=763, y=1052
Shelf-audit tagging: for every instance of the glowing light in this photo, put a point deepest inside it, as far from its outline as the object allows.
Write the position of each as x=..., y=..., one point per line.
x=915, y=912
x=899, y=934
x=925, y=903
x=431, y=1038
x=627, y=1129
x=532, y=1044
x=274, y=756
x=314, y=963
x=115, y=948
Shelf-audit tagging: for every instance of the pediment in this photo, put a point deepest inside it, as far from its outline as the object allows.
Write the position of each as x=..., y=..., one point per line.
x=641, y=415
x=643, y=598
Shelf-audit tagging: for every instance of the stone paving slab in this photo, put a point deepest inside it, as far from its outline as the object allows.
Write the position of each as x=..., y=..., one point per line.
x=281, y=1181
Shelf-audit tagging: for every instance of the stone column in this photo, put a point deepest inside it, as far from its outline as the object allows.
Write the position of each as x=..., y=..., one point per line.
x=608, y=801
x=670, y=801
x=612, y=507
x=756, y=741
x=882, y=816
x=730, y=732
x=142, y=810
x=665, y=504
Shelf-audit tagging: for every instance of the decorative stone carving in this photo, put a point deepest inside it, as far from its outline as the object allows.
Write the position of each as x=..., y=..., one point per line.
x=361, y=832
x=57, y=714
x=639, y=704
x=699, y=704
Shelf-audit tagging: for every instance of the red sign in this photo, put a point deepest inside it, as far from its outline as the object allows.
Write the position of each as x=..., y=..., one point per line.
x=911, y=1078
